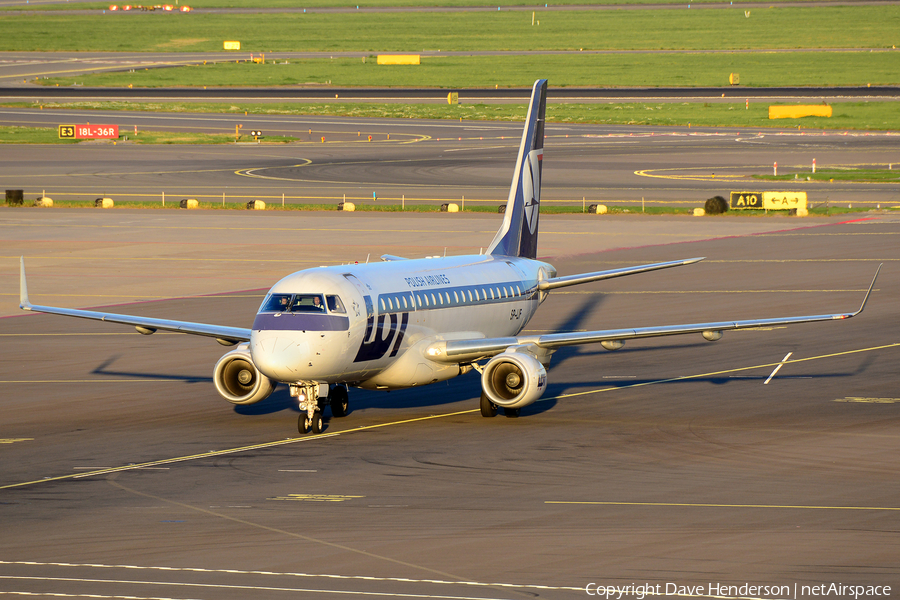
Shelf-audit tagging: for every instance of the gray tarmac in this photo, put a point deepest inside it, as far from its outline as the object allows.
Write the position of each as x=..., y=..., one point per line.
x=671, y=461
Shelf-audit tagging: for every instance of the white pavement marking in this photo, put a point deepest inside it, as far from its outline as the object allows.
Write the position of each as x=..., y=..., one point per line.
x=781, y=364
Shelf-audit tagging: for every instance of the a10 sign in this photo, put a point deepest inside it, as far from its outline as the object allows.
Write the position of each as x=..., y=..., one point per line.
x=87, y=132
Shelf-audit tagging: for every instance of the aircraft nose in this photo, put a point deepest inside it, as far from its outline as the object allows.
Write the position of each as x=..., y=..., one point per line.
x=278, y=354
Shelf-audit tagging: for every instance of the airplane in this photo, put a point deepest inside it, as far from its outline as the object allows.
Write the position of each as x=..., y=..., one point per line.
x=404, y=323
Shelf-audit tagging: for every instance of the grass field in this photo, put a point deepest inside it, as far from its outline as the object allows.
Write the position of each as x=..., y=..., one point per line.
x=350, y=4
x=604, y=70
x=47, y=135
x=847, y=115
x=849, y=174
x=726, y=29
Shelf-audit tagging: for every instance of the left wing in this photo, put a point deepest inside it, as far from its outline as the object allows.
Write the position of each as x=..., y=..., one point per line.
x=227, y=336
x=458, y=351
x=558, y=282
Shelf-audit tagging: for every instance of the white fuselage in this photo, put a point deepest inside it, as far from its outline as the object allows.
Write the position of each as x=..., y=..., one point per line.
x=374, y=335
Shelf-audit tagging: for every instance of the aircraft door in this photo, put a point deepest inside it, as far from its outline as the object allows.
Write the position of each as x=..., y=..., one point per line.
x=365, y=291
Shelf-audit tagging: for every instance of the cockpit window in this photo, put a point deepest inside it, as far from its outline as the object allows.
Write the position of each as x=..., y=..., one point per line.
x=277, y=303
x=308, y=303
x=335, y=305
x=298, y=303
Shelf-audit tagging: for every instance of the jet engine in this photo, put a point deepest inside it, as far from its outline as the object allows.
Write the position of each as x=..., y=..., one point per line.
x=513, y=379
x=238, y=380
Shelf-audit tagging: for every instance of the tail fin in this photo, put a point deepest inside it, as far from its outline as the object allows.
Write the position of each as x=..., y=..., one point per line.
x=519, y=231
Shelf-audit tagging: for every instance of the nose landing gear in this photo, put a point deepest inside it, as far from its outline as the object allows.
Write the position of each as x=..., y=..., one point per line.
x=305, y=424
x=307, y=394
x=311, y=405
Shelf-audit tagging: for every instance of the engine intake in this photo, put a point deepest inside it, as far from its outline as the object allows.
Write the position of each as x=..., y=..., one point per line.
x=238, y=380
x=513, y=379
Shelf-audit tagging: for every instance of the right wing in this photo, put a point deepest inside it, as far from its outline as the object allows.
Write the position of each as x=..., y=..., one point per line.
x=227, y=336
x=460, y=351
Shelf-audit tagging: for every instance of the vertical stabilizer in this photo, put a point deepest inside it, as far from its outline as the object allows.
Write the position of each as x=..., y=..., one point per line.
x=519, y=232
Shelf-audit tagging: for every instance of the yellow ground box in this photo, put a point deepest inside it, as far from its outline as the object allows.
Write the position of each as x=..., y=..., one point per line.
x=399, y=59
x=453, y=98
x=231, y=45
x=799, y=110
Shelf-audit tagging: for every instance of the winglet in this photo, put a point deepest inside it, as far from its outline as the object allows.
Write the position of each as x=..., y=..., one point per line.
x=24, y=304
x=866, y=299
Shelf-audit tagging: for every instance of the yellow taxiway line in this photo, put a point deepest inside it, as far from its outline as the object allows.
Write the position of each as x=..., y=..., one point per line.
x=704, y=505
x=313, y=438
x=215, y=453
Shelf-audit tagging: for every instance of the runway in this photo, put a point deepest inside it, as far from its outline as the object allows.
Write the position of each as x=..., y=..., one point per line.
x=420, y=161
x=671, y=461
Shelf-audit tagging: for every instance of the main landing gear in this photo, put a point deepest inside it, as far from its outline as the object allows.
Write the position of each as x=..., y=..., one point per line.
x=489, y=409
x=311, y=405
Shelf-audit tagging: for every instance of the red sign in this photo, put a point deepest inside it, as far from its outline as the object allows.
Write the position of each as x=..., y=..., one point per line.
x=89, y=132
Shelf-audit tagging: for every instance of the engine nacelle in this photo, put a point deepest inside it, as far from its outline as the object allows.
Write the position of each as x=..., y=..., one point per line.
x=238, y=380
x=513, y=379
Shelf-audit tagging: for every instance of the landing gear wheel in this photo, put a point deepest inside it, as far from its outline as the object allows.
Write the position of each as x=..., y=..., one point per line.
x=511, y=413
x=488, y=408
x=318, y=425
x=303, y=424
x=340, y=402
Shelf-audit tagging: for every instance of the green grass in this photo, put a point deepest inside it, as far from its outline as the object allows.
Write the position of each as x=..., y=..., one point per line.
x=775, y=27
x=46, y=135
x=200, y=4
x=606, y=70
x=31, y=135
x=847, y=116
x=848, y=174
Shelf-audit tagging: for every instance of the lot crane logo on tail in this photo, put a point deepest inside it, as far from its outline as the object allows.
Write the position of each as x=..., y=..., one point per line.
x=519, y=232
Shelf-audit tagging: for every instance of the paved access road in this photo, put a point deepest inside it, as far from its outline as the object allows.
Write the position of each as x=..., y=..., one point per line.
x=671, y=461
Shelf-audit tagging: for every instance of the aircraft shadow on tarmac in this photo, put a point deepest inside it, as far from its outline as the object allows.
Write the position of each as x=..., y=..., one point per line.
x=612, y=382
x=103, y=369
